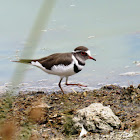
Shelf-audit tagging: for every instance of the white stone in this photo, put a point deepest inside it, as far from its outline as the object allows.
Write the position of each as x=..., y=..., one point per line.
x=83, y=132
x=96, y=118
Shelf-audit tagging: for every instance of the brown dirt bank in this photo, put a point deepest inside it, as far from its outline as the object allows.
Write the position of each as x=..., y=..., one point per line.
x=37, y=115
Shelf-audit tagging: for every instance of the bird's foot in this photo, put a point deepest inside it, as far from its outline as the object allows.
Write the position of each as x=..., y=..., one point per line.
x=79, y=85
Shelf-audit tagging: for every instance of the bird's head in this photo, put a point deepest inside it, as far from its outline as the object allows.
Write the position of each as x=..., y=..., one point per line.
x=82, y=53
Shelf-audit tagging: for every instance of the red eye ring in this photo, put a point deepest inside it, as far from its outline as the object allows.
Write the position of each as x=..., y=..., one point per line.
x=83, y=53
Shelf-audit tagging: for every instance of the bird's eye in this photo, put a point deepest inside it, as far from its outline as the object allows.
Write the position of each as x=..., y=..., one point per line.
x=83, y=53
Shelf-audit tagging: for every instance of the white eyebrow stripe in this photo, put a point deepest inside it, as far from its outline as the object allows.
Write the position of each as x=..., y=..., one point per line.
x=88, y=52
x=76, y=51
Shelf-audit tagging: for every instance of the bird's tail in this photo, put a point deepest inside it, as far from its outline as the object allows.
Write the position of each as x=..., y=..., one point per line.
x=25, y=61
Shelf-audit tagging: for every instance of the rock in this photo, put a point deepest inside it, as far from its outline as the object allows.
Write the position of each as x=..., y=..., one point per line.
x=96, y=118
x=38, y=111
x=115, y=135
x=83, y=132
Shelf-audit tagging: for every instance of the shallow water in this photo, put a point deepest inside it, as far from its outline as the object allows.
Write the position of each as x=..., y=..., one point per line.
x=111, y=30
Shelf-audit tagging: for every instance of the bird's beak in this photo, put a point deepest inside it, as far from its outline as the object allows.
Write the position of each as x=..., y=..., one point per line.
x=91, y=58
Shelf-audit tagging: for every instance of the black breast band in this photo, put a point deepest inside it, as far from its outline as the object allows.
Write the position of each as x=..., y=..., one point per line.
x=76, y=70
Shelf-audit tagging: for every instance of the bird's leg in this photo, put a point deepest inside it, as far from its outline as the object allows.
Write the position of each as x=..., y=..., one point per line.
x=80, y=85
x=60, y=85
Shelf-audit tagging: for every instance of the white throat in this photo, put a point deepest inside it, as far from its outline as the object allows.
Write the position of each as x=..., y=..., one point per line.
x=76, y=62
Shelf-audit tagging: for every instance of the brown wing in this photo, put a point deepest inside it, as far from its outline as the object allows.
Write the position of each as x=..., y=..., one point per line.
x=56, y=59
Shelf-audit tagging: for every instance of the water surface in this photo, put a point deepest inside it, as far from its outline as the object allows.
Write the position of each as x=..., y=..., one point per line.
x=110, y=29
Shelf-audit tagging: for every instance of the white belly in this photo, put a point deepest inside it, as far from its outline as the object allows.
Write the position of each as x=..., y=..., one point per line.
x=60, y=70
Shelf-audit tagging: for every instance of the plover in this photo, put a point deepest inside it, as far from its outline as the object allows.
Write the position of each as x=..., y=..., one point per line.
x=62, y=64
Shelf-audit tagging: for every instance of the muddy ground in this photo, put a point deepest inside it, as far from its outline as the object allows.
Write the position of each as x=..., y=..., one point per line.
x=39, y=116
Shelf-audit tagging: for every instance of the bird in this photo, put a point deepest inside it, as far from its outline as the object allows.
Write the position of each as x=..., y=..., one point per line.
x=62, y=64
